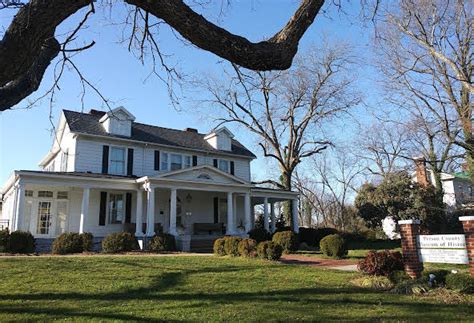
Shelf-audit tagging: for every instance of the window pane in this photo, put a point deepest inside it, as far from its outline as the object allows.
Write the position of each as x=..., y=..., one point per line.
x=62, y=195
x=45, y=194
x=176, y=162
x=28, y=193
x=117, y=161
x=224, y=165
x=187, y=161
x=116, y=208
x=44, y=216
x=164, y=161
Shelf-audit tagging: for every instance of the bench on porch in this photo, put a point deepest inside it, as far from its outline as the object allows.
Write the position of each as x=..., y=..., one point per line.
x=208, y=228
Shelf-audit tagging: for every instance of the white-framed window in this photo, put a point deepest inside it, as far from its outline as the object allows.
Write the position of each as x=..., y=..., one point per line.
x=44, y=217
x=116, y=208
x=176, y=161
x=187, y=161
x=62, y=195
x=64, y=159
x=117, y=160
x=164, y=161
x=28, y=193
x=224, y=165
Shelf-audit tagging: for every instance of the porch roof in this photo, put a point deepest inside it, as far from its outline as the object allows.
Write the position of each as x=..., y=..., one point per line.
x=272, y=194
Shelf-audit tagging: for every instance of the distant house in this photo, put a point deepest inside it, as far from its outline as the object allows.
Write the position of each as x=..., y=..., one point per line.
x=107, y=173
x=458, y=190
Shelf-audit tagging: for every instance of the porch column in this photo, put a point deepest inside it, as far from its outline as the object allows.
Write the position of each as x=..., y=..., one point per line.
x=265, y=214
x=20, y=206
x=247, y=213
x=139, y=219
x=272, y=217
x=230, y=215
x=173, y=212
x=84, y=209
x=150, y=214
x=294, y=212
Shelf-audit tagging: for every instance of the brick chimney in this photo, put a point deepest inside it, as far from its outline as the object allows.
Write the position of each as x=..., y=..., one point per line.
x=421, y=176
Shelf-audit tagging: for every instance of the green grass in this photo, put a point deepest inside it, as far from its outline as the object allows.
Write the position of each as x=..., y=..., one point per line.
x=197, y=288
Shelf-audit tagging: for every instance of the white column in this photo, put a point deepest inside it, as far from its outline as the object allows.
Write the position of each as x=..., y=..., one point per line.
x=20, y=206
x=139, y=215
x=265, y=214
x=247, y=214
x=294, y=212
x=150, y=214
x=272, y=216
x=234, y=211
x=173, y=212
x=230, y=215
x=84, y=210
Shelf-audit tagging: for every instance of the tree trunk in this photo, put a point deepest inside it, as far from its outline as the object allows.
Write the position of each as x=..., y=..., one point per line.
x=288, y=205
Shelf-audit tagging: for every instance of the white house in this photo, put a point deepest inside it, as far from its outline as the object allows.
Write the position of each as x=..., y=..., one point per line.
x=107, y=173
x=458, y=190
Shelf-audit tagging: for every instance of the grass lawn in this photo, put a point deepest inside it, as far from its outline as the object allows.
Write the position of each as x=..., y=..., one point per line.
x=200, y=288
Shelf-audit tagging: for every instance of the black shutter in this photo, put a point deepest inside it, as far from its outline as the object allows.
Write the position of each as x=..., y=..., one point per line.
x=130, y=162
x=216, y=210
x=195, y=160
x=232, y=166
x=105, y=159
x=215, y=163
x=103, y=207
x=157, y=160
x=128, y=208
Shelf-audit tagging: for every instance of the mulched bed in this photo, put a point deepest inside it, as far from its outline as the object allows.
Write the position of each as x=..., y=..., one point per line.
x=315, y=262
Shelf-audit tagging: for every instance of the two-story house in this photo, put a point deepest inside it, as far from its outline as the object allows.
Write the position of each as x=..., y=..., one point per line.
x=107, y=173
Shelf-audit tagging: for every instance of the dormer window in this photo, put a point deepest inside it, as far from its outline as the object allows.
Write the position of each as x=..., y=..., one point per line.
x=118, y=122
x=117, y=161
x=220, y=139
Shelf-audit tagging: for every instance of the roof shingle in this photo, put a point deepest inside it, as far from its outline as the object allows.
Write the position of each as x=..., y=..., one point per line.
x=89, y=124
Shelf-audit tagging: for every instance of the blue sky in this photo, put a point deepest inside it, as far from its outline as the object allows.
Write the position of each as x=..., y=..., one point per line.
x=25, y=134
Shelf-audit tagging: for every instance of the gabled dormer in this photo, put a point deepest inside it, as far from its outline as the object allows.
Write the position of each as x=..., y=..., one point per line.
x=220, y=139
x=118, y=122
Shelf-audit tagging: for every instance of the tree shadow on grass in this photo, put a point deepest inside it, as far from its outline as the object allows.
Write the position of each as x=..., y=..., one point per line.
x=164, y=292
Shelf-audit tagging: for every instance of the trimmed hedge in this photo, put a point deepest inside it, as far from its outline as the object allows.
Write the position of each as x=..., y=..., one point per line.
x=461, y=282
x=288, y=240
x=333, y=246
x=247, y=248
x=313, y=236
x=119, y=242
x=219, y=249
x=231, y=246
x=21, y=242
x=4, y=240
x=161, y=243
x=72, y=242
x=260, y=234
x=269, y=250
x=381, y=263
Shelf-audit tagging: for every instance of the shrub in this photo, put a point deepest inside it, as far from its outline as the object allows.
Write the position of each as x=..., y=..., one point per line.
x=381, y=263
x=260, y=234
x=288, y=241
x=231, y=246
x=398, y=276
x=21, y=242
x=333, y=246
x=219, y=249
x=162, y=242
x=119, y=242
x=67, y=243
x=374, y=282
x=4, y=240
x=314, y=236
x=410, y=287
x=87, y=241
x=461, y=282
x=247, y=248
x=269, y=250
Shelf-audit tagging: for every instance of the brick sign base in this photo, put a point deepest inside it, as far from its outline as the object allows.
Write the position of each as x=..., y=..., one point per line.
x=410, y=229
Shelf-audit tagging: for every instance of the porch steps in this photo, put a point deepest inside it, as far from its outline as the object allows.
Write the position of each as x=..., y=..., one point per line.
x=202, y=245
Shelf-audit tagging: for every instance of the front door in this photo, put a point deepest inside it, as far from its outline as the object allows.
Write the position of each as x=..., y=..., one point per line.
x=45, y=219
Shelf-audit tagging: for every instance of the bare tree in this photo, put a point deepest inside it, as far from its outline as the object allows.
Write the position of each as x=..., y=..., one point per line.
x=426, y=51
x=286, y=110
x=29, y=43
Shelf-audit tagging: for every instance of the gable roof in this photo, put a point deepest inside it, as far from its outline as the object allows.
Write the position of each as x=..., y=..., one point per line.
x=204, y=168
x=89, y=124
